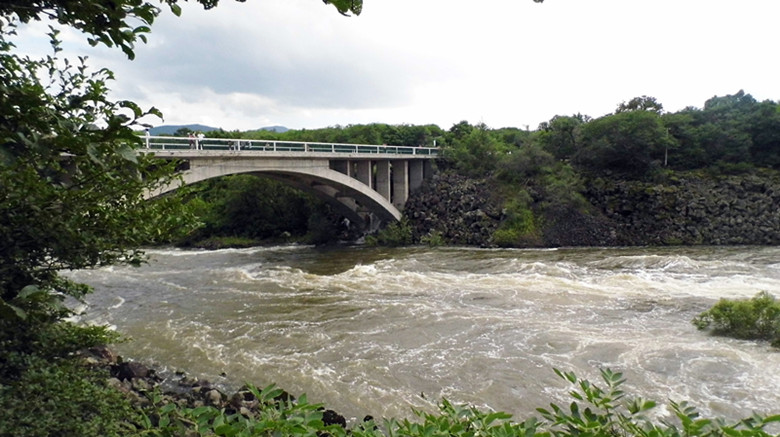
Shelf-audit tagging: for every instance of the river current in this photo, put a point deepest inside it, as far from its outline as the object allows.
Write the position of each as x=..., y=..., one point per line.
x=381, y=331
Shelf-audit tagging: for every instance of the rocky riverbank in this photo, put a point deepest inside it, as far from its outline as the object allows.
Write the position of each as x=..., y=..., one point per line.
x=685, y=209
x=145, y=386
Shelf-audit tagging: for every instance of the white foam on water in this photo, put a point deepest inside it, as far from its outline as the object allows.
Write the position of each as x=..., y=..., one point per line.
x=481, y=326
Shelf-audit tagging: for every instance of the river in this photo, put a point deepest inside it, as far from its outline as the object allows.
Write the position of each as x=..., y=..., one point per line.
x=380, y=331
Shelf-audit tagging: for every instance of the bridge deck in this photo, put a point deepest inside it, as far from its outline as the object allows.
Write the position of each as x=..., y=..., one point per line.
x=196, y=145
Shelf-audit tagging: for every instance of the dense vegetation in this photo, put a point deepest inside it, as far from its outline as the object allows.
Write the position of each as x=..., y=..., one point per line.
x=637, y=141
x=540, y=175
x=750, y=319
x=244, y=210
x=598, y=409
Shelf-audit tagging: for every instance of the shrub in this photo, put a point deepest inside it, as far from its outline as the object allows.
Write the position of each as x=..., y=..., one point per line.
x=754, y=319
x=273, y=417
x=607, y=411
x=46, y=390
x=395, y=234
x=519, y=228
x=597, y=410
x=63, y=398
x=433, y=238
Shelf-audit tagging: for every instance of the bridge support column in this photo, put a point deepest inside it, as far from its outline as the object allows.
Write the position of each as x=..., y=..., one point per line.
x=427, y=169
x=400, y=183
x=364, y=173
x=383, y=179
x=416, y=175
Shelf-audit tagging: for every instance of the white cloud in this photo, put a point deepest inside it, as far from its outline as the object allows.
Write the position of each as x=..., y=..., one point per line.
x=503, y=62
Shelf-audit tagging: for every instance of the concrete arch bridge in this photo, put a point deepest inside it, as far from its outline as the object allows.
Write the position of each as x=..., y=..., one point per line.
x=367, y=184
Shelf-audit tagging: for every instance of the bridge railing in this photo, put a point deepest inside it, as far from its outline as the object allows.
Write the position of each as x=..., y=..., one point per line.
x=238, y=145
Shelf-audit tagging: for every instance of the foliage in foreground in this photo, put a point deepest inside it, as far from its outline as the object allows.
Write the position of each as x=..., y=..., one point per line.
x=595, y=411
x=46, y=390
x=754, y=319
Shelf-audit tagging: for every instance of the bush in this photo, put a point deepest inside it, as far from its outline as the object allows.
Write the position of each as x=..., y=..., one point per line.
x=45, y=388
x=519, y=228
x=433, y=238
x=597, y=410
x=63, y=398
x=395, y=234
x=754, y=319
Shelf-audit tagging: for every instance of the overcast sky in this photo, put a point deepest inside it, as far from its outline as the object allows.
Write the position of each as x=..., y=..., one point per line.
x=299, y=64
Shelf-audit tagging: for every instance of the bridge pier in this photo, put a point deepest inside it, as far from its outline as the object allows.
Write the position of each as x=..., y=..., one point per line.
x=416, y=175
x=383, y=179
x=364, y=170
x=400, y=192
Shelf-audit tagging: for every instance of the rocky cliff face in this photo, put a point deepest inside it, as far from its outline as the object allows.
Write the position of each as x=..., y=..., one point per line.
x=688, y=210
x=685, y=210
x=463, y=211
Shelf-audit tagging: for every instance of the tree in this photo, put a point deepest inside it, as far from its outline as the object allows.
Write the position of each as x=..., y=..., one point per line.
x=643, y=103
x=71, y=183
x=474, y=151
x=118, y=23
x=560, y=136
x=347, y=6
x=625, y=144
x=723, y=127
x=765, y=129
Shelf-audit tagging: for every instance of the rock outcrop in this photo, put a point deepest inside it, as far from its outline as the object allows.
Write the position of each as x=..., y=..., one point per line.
x=462, y=211
x=688, y=210
x=684, y=210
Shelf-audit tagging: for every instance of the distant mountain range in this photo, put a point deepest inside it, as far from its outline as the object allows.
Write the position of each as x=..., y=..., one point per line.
x=170, y=129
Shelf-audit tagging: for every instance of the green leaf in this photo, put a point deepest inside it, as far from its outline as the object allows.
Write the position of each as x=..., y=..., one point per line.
x=9, y=311
x=30, y=290
x=226, y=430
x=127, y=153
x=176, y=9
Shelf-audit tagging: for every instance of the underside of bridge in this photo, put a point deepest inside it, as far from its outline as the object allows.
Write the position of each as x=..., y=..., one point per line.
x=365, y=191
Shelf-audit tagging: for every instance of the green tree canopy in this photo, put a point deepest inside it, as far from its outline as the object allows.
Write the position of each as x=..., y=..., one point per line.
x=71, y=183
x=643, y=103
x=561, y=135
x=120, y=23
x=624, y=144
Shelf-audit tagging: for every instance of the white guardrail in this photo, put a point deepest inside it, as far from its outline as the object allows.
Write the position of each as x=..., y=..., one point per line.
x=186, y=143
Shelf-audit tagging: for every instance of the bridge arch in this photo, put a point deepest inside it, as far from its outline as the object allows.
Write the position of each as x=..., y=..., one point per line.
x=365, y=208
x=367, y=184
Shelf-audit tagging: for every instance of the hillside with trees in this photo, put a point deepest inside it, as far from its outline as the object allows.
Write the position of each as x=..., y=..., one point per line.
x=638, y=176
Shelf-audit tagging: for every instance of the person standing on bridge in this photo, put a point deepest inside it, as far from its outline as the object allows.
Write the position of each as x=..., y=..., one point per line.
x=192, y=140
x=199, y=142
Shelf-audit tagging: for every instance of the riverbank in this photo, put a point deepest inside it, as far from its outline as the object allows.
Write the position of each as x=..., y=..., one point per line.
x=681, y=209
x=151, y=391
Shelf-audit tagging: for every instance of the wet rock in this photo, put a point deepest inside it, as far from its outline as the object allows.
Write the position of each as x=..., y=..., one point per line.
x=126, y=371
x=330, y=417
x=103, y=354
x=213, y=398
x=693, y=210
